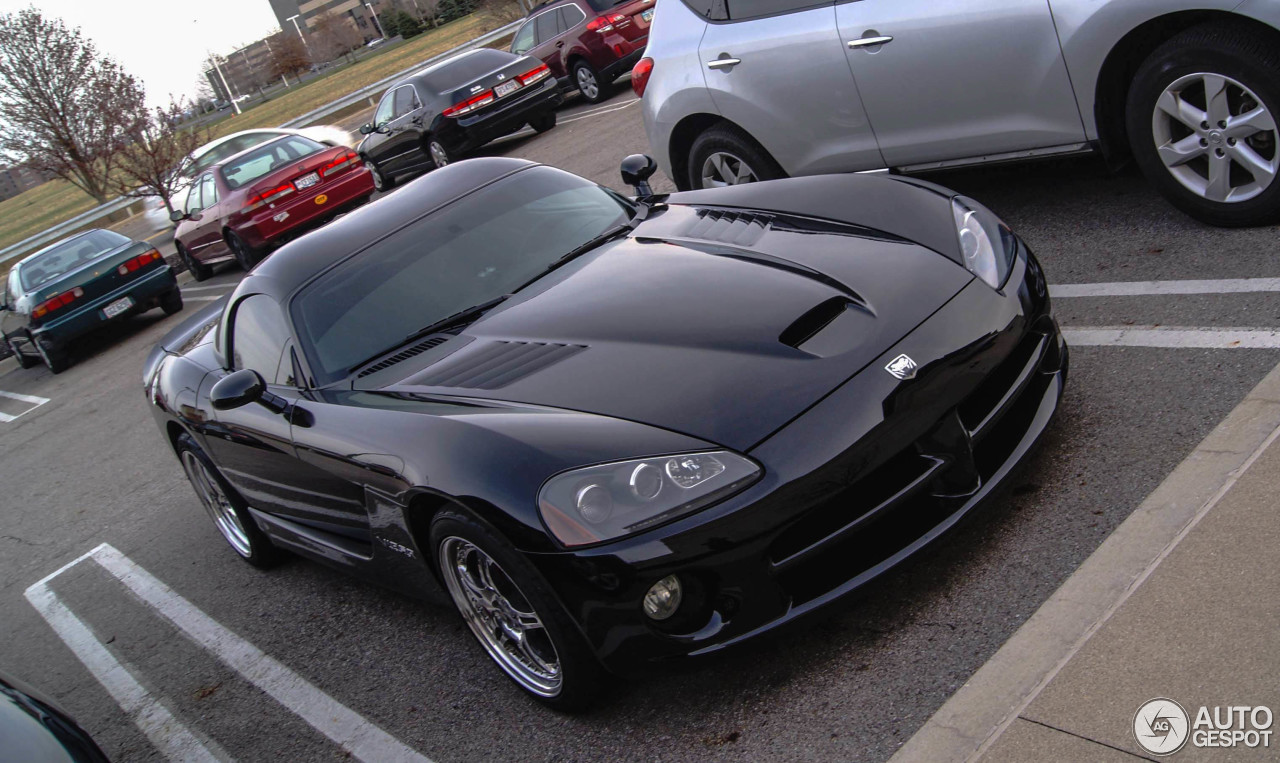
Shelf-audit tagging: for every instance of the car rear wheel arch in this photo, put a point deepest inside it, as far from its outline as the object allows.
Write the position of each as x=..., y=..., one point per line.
x=683, y=135
x=1127, y=56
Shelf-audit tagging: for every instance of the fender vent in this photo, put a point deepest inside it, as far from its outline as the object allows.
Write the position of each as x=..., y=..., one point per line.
x=496, y=364
x=737, y=228
x=416, y=349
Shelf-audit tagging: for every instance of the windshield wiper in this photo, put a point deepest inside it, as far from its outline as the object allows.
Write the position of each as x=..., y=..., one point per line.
x=581, y=250
x=459, y=318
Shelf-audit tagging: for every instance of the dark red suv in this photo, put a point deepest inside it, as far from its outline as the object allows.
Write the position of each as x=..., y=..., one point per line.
x=587, y=43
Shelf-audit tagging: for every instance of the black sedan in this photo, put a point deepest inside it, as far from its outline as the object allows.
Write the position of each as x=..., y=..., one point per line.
x=436, y=116
x=617, y=431
x=35, y=730
x=75, y=286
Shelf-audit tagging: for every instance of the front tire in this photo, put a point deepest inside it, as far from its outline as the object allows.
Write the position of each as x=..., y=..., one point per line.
x=723, y=155
x=199, y=272
x=513, y=614
x=1202, y=122
x=589, y=83
x=229, y=512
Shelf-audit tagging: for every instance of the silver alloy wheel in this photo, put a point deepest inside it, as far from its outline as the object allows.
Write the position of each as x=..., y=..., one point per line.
x=510, y=631
x=1216, y=137
x=438, y=154
x=377, y=176
x=216, y=503
x=587, y=83
x=722, y=169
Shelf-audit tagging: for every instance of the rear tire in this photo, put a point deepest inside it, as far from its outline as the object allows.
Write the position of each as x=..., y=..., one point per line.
x=23, y=360
x=53, y=356
x=228, y=510
x=440, y=156
x=485, y=576
x=381, y=182
x=1184, y=118
x=725, y=155
x=247, y=256
x=199, y=272
x=544, y=122
x=171, y=302
x=589, y=83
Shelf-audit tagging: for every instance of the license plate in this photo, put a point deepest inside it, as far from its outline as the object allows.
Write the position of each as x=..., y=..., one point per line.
x=119, y=306
x=647, y=16
x=506, y=88
x=306, y=181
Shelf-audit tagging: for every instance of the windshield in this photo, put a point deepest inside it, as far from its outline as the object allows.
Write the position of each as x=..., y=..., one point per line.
x=65, y=257
x=250, y=166
x=476, y=249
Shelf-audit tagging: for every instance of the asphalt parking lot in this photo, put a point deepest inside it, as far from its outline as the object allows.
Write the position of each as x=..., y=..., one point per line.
x=88, y=467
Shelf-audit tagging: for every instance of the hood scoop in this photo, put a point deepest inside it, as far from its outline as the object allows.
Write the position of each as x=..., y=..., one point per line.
x=415, y=350
x=833, y=327
x=495, y=364
x=726, y=227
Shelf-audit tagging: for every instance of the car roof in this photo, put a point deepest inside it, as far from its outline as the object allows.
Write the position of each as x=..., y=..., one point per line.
x=301, y=260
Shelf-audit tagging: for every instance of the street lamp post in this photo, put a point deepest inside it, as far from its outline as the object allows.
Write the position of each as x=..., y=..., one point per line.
x=376, y=22
x=225, y=87
x=298, y=29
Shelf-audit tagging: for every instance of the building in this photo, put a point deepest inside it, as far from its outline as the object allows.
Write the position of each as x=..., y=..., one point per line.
x=245, y=70
x=15, y=180
x=353, y=12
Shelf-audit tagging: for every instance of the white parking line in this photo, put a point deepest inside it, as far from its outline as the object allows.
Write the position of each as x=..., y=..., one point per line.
x=185, y=298
x=1152, y=288
x=174, y=740
x=599, y=112
x=33, y=400
x=1174, y=337
x=227, y=286
x=336, y=721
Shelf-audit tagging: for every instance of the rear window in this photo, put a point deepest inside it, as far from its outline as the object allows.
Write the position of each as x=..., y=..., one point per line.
x=67, y=256
x=466, y=68
x=229, y=147
x=259, y=162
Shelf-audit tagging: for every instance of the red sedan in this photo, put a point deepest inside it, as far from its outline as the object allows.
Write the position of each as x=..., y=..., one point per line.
x=249, y=203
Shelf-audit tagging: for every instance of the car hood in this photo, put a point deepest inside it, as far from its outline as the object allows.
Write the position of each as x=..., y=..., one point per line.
x=720, y=324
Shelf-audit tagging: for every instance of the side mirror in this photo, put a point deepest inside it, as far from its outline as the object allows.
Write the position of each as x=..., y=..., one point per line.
x=636, y=171
x=177, y=215
x=237, y=389
x=366, y=129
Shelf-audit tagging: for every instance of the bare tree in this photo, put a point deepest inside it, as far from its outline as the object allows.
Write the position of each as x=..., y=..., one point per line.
x=335, y=35
x=66, y=109
x=150, y=166
x=288, y=55
x=502, y=11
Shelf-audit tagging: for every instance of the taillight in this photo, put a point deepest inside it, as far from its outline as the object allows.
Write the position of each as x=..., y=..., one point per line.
x=534, y=75
x=54, y=303
x=470, y=105
x=640, y=75
x=338, y=165
x=260, y=200
x=603, y=24
x=143, y=259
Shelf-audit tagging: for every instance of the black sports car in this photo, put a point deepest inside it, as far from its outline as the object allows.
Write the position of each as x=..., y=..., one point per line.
x=617, y=431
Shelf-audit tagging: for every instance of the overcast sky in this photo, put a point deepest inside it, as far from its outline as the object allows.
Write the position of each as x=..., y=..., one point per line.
x=162, y=42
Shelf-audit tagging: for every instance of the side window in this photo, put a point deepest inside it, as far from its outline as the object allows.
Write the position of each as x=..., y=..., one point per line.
x=383, y=114
x=208, y=191
x=750, y=9
x=193, y=197
x=548, y=26
x=524, y=41
x=570, y=16
x=406, y=100
x=712, y=10
x=258, y=336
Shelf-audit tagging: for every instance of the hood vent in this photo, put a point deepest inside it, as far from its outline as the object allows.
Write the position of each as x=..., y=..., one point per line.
x=495, y=364
x=416, y=349
x=721, y=226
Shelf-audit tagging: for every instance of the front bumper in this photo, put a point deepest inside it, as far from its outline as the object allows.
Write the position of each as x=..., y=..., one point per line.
x=871, y=474
x=145, y=292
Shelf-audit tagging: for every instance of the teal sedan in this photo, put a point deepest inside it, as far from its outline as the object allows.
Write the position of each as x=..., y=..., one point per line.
x=70, y=288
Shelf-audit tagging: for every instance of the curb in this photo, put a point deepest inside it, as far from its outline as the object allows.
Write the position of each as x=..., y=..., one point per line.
x=980, y=711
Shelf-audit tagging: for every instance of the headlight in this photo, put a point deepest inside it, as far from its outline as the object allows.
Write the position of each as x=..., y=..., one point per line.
x=608, y=501
x=987, y=244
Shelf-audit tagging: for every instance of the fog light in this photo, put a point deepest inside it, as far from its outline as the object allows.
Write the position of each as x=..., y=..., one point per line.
x=663, y=599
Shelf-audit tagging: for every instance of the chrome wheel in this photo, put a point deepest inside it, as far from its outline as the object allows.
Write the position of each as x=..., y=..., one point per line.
x=1216, y=137
x=216, y=503
x=377, y=176
x=721, y=169
x=438, y=154
x=587, y=83
x=500, y=616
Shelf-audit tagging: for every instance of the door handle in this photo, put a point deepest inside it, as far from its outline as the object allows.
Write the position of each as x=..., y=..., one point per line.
x=869, y=42
x=560, y=44
x=723, y=63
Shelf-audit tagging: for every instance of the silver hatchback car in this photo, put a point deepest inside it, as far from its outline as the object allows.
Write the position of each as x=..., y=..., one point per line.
x=742, y=90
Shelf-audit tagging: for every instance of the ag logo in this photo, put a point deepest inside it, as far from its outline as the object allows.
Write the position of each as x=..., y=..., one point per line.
x=1161, y=726
x=903, y=367
x=321, y=199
